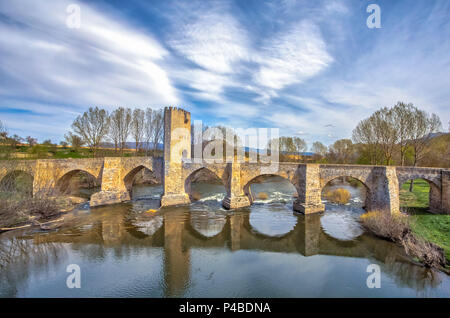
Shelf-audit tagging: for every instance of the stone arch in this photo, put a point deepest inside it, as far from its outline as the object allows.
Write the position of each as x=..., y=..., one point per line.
x=10, y=177
x=404, y=178
x=435, y=194
x=62, y=183
x=129, y=177
x=247, y=190
x=363, y=181
x=190, y=178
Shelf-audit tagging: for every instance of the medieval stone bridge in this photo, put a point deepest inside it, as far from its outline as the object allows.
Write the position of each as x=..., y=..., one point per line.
x=177, y=170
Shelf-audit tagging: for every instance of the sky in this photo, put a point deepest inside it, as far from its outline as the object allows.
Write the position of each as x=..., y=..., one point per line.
x=313, y=69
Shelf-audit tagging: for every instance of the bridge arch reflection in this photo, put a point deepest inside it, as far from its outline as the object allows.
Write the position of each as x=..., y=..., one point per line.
x=177, y=238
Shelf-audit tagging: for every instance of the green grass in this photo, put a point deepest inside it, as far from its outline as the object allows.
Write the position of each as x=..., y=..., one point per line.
x=418, y=198
x=434, y=228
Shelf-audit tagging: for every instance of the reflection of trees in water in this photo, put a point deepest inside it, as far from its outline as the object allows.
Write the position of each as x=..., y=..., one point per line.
x=405, y=273
x=20, y=257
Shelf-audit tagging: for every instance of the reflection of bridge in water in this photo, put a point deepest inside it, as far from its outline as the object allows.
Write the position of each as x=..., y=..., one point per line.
x=175, y=234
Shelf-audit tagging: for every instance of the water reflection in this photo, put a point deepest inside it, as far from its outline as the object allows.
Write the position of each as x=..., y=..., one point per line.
x=202, y=250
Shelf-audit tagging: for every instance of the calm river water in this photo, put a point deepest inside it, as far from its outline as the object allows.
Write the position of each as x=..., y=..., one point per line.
x=202, y=250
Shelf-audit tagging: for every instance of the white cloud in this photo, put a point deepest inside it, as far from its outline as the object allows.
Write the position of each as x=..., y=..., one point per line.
x=293, y=57
x=106, y=62
x=212, y=40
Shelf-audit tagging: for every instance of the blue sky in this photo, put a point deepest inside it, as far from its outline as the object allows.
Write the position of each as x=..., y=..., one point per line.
x=311, y=68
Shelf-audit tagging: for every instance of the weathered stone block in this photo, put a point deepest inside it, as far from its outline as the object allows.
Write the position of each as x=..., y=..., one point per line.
x=108, y=197
x=175, y=199
x=235, y=202
x=308, y=208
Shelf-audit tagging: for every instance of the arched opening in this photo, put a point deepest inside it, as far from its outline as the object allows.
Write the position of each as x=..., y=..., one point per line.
x=346, y=190
x=142, y=183
x=78, y=183
x=345, y=198
x=16, y=184
x=270, y=188
x=207, y=191
x=419, y=194
x=205, y=186
x=271, y=212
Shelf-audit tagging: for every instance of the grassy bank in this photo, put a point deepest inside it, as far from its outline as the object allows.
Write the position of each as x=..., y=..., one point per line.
x=418, y=198
x=431, y=227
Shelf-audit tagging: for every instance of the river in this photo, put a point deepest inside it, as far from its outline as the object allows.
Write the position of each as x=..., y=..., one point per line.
x=202, y=250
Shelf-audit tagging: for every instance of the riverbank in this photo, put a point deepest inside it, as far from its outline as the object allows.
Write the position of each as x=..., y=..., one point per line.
x=16, y=214
x=434, y=228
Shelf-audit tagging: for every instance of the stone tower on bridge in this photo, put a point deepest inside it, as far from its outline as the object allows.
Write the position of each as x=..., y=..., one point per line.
x=177, y=146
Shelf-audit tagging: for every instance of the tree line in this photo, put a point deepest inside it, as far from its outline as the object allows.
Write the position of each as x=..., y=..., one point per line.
x=398, y=135
x=97, y=126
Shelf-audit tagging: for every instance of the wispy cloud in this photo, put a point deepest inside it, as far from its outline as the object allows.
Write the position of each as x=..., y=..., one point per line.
x=211, y=39
x=293, y=57
x=312, y=69
x=105, y=62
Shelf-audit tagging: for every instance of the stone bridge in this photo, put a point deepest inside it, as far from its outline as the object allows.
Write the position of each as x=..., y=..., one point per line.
x=115, y=175
x=177, y=170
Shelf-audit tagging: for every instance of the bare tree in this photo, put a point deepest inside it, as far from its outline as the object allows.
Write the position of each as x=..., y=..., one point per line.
x=74, y=140
x=424, y=125
x=379, y=135
x=341, y=151
x=364, y=134
x=3, y=131
x=299, y=144
x=154, y=128
x=138, y=127
x=404, y=119
x=92, y=127
x=319, y=148
x=31, y=141
x=120, y=120
x=114, y=129
x=148, y=129
x=14, y=141
x=387, y=132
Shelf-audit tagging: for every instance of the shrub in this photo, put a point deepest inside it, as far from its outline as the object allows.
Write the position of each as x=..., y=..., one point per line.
x=11, y=213
x=195, y=195
x=388, y=226
x=262, y=196
x=341, y=196
x=42, y=207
